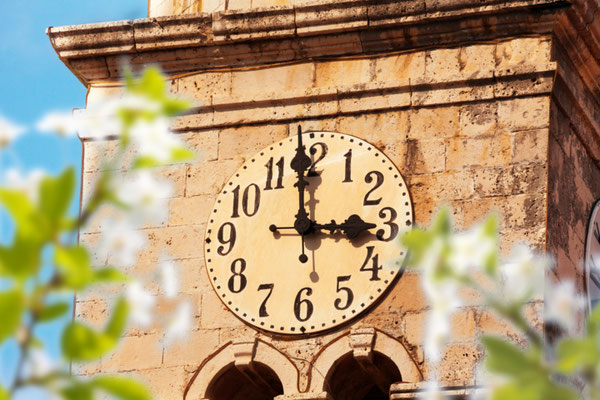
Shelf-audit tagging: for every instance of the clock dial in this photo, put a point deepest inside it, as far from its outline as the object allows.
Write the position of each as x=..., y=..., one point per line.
x=592, y=258
x=257, y=273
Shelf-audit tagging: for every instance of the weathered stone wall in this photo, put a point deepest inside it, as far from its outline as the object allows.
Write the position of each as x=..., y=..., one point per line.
x=467, y=126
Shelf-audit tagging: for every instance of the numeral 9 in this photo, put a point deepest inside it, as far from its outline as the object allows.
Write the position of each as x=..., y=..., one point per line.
x=226, y=238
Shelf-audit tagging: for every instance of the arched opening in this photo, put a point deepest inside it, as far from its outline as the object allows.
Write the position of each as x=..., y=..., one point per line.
x=351, y=380
x=255, y=382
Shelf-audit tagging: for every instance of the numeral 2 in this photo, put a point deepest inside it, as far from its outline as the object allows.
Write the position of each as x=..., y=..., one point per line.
x=374, y=269
x=313, y=151
x=379, y=182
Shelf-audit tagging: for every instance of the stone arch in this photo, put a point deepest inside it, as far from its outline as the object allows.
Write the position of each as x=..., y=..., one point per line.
x=362, y=344
x=243, y=356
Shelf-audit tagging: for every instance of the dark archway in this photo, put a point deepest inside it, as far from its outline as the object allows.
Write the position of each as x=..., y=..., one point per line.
x=257, y=382
x=349, y=380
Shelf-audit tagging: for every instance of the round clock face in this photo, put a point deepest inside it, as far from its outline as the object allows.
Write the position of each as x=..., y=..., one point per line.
x=266, y=276
x=592, y=258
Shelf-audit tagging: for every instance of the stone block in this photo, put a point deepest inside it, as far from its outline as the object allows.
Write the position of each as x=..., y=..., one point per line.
x=424, y=93
x=518, y=179
x=479, y=151
x=135, y=353
x=425, y=156
x=93, y=312
x=490, y=323
x=457, y=366
x=344, y=72
x=219, y=317
x=165, y=383
x=186, y=210
x=442, y=187
x=314, y=125
x=244, y=142
x=192, y=350
x=429, y=123
x=442, y=64
x=174, y=241
x=477, y=61
x=414, y=328
x=382, y=99
x=382, y=130
x=205, y=144
x=478, y=119
x=201, y=87
x=194, y=278
x=208, y=178
x=334, y=16
x=280, y=79
x=405, y=296
x=523, y=51
x=528, y=146
x=463, y=324
x=524, y=113
x=406, y=65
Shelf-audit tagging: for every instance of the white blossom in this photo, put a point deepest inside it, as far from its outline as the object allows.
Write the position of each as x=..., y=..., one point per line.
x=154, y=139
x=60, y=122
x=563, y=304
x=432, y=391
x=9, y=131
x=28, y=183
x=469, y=250
x=145, y=195
x=140, y=303
x=38, y=364
x=523, y=274
x=120, y=241
x=180, y=323
x=169, y=278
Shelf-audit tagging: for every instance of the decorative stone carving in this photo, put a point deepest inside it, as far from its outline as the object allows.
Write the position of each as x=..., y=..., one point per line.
x=243, y=353
x=362, y=341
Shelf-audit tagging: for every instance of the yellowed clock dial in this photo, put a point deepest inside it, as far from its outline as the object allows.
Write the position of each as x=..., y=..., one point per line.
x=257, y=273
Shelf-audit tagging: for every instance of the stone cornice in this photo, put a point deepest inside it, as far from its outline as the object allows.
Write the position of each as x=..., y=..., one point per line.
x=261, y=36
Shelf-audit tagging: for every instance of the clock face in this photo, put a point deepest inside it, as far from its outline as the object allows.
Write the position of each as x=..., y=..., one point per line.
x=592, y=258
x=258, y=273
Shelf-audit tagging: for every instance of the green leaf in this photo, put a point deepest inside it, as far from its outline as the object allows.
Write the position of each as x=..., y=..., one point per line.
x=56, y=194
x=12, y=303
x=3, y=393
x=577, y=354
x=29, y=223
x=74, y=263
x=53, y=311
x=514, y=391
x=145, y=162
x=122, y=388
x=109, y=274
x=118, y=321
x=173, y=107
x=81, y=343
x=593, y=322
x=22, y=259
x=78, y=391
x=179, y=154
x=506, y=358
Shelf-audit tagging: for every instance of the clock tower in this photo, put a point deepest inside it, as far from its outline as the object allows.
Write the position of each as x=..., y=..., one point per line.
x=325, y=130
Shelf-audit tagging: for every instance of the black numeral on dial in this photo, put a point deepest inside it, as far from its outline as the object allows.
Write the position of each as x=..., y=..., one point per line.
x=226, y=236
x=279, y=164
x=313, y=150
x=390, y=222
x=375, y=267
x=379, y=181
x=348, y=167
x=262, y=311
x=303, y=313
x=349, y=295
x=246, y=208
x=237, y=282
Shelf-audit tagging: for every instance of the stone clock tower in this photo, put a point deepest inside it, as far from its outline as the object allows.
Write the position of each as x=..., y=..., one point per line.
x=404, y=106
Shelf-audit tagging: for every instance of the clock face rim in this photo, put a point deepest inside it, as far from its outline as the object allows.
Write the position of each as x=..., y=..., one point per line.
x=377, y=297
x=594, y=216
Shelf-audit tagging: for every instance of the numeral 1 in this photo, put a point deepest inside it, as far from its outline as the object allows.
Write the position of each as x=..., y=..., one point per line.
x=374, y=269
x=269, y=166
x=348, y=170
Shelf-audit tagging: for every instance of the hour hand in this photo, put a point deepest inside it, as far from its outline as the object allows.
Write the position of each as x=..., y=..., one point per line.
x=352, y=227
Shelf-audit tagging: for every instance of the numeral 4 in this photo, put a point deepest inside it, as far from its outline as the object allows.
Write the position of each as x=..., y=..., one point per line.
x=375, y=267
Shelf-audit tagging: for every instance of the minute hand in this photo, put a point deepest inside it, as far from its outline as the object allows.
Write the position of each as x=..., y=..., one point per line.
x=352, y=227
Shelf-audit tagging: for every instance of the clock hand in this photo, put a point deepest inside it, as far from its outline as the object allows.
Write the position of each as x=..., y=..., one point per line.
x=352, y=227
x=300, y=163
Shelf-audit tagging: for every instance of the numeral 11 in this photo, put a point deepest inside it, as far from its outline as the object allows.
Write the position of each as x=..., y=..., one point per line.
x=269, y=166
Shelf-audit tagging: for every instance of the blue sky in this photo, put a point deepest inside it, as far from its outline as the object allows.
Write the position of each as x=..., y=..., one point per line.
x=34, y=81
